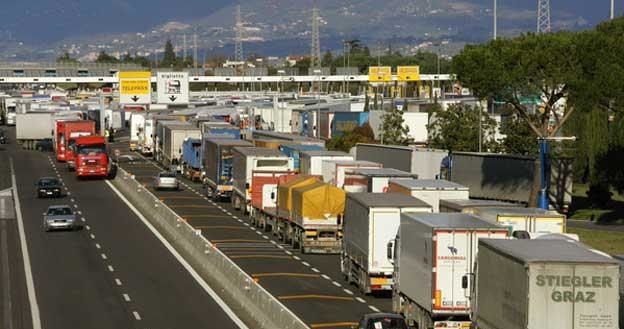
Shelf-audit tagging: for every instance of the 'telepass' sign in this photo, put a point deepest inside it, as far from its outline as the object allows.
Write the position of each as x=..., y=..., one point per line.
x=135, y=87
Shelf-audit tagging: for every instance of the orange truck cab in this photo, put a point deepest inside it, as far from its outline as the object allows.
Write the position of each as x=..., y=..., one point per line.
x=91, y=156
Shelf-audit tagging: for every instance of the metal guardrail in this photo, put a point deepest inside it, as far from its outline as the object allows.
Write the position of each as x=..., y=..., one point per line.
x=250, y=301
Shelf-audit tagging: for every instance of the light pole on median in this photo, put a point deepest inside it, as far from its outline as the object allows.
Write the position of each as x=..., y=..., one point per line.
x=496, y=19
x=612, y=9
x=281, y=90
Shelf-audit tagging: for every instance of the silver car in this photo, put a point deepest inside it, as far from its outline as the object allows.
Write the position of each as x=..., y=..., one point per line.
x=167, y=180
x=59, y=218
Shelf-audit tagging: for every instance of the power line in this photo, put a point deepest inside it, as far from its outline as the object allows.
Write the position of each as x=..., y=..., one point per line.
x=238, y=28
x=315, y=55
x=543, y=16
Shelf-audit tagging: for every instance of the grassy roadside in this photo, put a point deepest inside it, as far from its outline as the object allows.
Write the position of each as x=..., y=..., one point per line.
x=581, y=208
x=606, y=241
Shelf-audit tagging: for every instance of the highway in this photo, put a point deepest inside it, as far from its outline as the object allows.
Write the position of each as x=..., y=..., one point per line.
x=113, y=272
x=312, y=286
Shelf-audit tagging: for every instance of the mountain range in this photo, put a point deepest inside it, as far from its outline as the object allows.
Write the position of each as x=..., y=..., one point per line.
x=42, y=29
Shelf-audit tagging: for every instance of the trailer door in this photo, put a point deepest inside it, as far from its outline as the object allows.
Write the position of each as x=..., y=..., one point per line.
x=451, y=264
x=385, y=225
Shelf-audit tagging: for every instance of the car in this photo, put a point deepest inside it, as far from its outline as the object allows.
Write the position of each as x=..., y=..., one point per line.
x=167, y=180
x=60, y=217
x=382, y=321
x=49, y=187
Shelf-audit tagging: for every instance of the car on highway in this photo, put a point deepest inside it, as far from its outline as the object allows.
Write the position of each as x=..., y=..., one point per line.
x=49, y=187
x=60, y=217
x=382, y=321
x=167, y=180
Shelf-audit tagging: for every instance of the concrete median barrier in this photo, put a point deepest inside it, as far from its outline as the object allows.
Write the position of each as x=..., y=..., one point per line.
x=252, y=303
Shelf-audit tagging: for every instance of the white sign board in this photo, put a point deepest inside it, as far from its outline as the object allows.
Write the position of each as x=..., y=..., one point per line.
x=173, y=87
x=135, y=88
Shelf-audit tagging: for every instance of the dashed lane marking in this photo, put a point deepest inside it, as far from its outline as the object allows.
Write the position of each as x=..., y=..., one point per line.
x=359, y=299
x=284, y=274
x=97, y=245
x=348, y=291
x=306, y=264
x=326, y=297
x=117, y=282
x=314, y=269
x=137, y=316
x=104, y=256
x=92, y=236
x=324, y=276
x=126, y=297
x=297, y=257
x=373, y=308
x=334, y=325
x=336, y=284
x=111, y=269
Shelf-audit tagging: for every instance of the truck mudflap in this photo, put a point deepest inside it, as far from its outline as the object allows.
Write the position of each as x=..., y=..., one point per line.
x=451, y=324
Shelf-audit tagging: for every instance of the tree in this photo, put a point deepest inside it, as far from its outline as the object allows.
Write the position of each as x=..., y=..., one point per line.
x=349, y=139
x=457, y=129
x=103, y=57
x=542, y=65
x=328, y=59
x=66, y=58
x=169, y=57
x=519, y=138
x=393, y=129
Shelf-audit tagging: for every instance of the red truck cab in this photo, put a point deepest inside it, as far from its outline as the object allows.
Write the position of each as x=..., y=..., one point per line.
x=91, y=156
x=65, y=134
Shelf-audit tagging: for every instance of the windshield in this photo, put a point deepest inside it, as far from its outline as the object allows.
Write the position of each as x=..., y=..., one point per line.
x=167, y=174
x=59, y=211
x=386, y=323
x=71, y=142
x=92, y=149
x=48, y=182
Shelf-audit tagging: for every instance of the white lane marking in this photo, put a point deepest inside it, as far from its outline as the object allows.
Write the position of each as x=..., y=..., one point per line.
x=266, y=237
x=306, y=264
x=83, y=219
x=240, y=220
x=126, y=297
x=182, y=261
x=359, y=299
x=136, y=316
x=104, y=256
x=92, y=236
x=246, y=224
x=324, y=276
x=314, y=269
x=88, y=227
x=297, y=257
x=97, y=245
x=72, y=200
x=79, y=212
x=373, y=308
x=288, y=252
x=348, y=291
x=281, y=247
x=75, y=206
x=68, y=193
x=273, y=242
x=229, y=213
x=234, y=217
x=253, y=229
x=30, y=284
x=66, y=189
x=111, y=269
x=336, y=284
x=259, y=233
x=117, y=282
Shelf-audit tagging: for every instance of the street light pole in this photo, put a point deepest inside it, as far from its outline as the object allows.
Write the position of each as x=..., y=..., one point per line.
x=612, y=9
x=496, y=20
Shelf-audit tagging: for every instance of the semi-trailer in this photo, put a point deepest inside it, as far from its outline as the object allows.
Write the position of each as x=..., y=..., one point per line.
x=530, y=220
x=174, y=135
x=294, y=150
x=373, y=180
x=191, y=159
x=429, y=190
x=469, y=205
x=371, y=223
x=426, y=163
x=554, y=284
x=433, y=258
x=311, y=162
x=217, y=161
x=334, y=171
x=92, y=158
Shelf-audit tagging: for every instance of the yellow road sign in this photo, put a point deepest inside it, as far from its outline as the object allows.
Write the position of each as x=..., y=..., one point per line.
x=380, y=74
x=408, y=73
x=135, y=87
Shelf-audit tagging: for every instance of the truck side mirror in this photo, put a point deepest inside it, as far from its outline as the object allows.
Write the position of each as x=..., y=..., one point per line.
x=521, y=235
x=465, y=281
x=272, y=195
x=390, y=251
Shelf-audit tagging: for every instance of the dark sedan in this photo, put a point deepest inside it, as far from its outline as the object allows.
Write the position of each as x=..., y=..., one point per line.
x=49, y=187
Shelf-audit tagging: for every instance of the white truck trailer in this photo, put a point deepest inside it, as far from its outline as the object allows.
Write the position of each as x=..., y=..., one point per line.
x=429, y=190
x=530, y=220
x=553, y=284
x=469, y=205
x=311, y=162
x=373, y=180
x=334, y=171
x=434, y=256
x=371, y=222
x=426, y=163
x=137, y=126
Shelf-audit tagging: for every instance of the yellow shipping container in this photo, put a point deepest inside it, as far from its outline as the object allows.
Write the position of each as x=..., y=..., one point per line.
x=284, y=191
x=318, y=201
x=269, y=143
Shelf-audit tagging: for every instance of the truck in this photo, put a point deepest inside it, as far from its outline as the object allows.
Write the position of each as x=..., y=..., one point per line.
x=554, y=284
x=174, y=134
x=191, y=158
x=334, y=170
x=293, y=150
x=66, y=132
x=246, y=160
x=217, y=162
x=469, y=205
x=373, y=180
x=219, y=129
x=311, y=162
x=429, y=190
x=92, y=158
x=426, y=163
x=371, y=223
x=137, y=126
x=530, y=220
x=10, y=107
x=32, y=127
x=510, y=178
x=433, y=258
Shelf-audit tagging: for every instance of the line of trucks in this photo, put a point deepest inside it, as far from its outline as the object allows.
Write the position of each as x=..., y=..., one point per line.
x=74, y=140
x=396, y=232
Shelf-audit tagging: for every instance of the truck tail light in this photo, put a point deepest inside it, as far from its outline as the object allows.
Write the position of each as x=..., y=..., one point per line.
x=438, y=298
